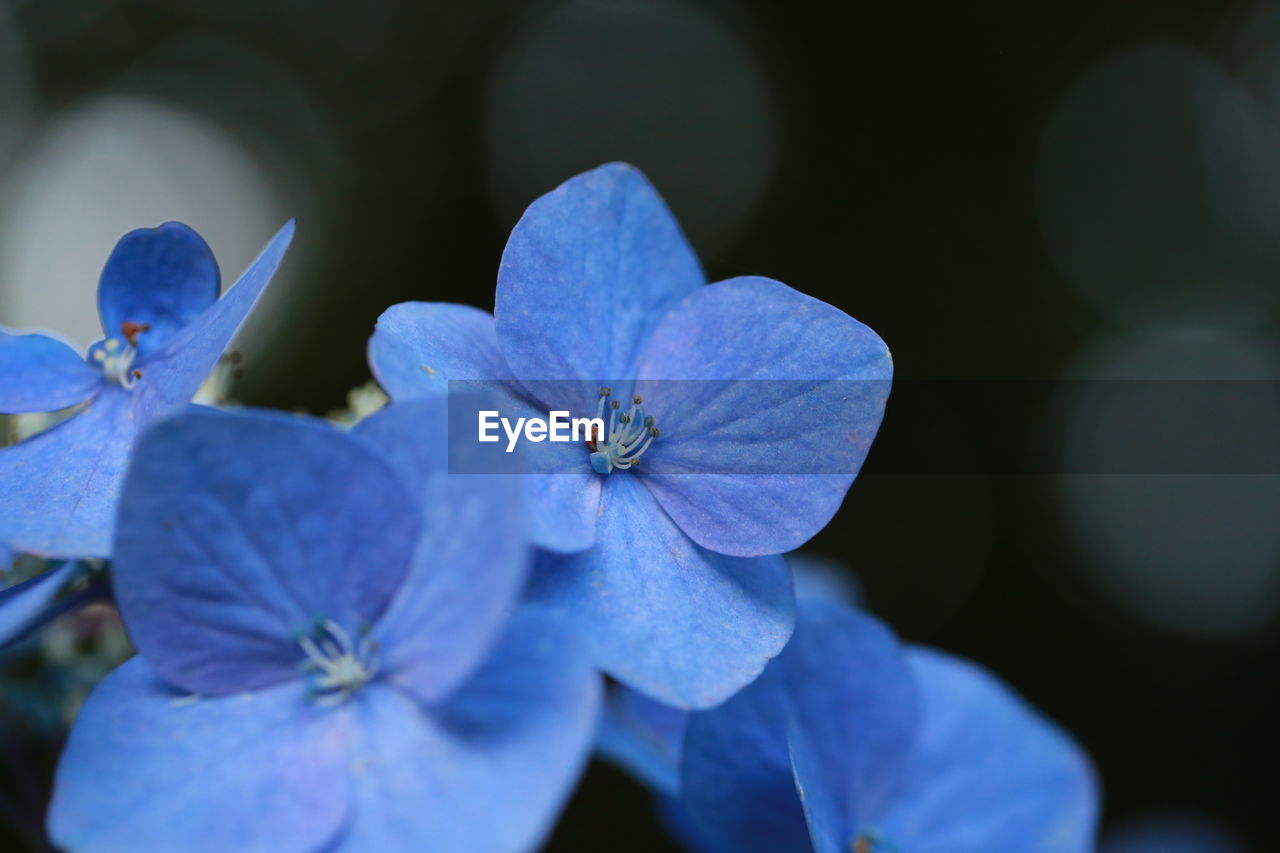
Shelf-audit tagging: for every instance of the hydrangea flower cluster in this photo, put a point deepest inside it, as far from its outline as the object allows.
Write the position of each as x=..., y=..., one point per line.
x=349, y=638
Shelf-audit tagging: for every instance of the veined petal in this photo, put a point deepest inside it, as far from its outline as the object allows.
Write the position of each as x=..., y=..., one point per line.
x=490, y=769
x=238, y=533
x=587, y=274
x=683, y=624
x=988, y=771
x=162, y=278
x=148, y=767
x=472, y=559
x=757, y=453
x=39, y=373
x=58, y=489
x=172, y=373
x=417, y=347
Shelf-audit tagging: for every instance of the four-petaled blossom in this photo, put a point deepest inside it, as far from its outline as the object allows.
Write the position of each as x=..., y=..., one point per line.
x=849, y=742
x=738, y=414
x=165, y=329
x=317, y=666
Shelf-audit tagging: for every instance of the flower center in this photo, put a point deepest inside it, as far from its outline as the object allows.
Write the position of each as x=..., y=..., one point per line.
x=627, y=434
x=871, y=842
x=116, y=355
x=337, y=665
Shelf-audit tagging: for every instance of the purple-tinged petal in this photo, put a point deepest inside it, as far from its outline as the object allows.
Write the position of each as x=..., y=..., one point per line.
x=39, y=373
x=417, y=347
x=489, y=770
x=238, y=533
x=587, y=274
x=988, y=771
x=58, y=488
x=148, y=767
x=683, y=624
x=25, y=605
x=643, y=737
x=162, y=278
x=756, y=455
x=172, y=374
x=472, y=558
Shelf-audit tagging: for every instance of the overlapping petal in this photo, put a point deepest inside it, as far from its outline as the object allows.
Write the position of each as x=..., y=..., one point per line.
x=820, y=734
x=39, y=373
x=489, y=769
x=683, y=624
x=854, y=715
x=240, y=532
x=58, y=488
x=172, y=373
x=417, y=347
x=781, y=398
x=587, y=273
x=161, y=277
x=25, y=606
x=148, y=767
x=472, y=559
x=988, y=772
x=643, y=737
x=737, y=787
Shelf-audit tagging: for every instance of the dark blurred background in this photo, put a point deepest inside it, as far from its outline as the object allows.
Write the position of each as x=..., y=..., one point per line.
x=1010, y=190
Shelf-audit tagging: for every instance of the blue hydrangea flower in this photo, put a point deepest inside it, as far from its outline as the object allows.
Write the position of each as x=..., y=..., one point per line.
x=307, y=676
x=847, y=742
x=660, y=531
x=165, y=329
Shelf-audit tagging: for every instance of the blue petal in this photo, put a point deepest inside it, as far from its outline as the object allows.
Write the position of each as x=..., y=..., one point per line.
x=818, y=577
x=149, y=768
x=58, y=489
x=988, y=772
x=676, y=821
x=790, y=394
x=25, y=605
x=853, y=718
x=685, y=625
x=831, y=718
x=239, y=532
x=42, y=374
x=172, y=374
x=736, y=782
x=472, y=559
x=488, y=771
x=643, y=737
x=417, y=347
x=587, y=274
x=163, y=277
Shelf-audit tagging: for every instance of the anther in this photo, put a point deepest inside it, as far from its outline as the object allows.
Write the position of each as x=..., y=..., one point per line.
x=132, y=330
